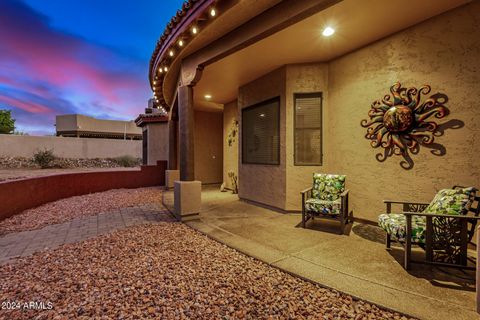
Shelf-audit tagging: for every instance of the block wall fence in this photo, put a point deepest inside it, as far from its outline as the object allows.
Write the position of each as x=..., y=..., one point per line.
x=76, y=148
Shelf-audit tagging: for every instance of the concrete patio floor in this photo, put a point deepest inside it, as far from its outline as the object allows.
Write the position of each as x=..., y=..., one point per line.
x=355, y=263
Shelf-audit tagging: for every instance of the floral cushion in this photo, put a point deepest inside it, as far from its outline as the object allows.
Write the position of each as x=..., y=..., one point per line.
x=395, y=224
x=450, y=201
x=323, y=206
x=328, y=186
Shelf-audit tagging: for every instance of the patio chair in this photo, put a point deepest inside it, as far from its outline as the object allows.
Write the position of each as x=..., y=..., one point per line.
x=327, y=199
x=443, y=228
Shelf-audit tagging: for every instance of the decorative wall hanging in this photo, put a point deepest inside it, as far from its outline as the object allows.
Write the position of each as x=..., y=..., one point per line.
x=233, y=133
x=401, y=122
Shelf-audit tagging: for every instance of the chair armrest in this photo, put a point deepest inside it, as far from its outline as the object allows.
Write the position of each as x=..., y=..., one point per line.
x=404, y=202
x=440, y=215
x=306, y=190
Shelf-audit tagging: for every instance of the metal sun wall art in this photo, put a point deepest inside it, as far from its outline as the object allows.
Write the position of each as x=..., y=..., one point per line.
x=401, y=122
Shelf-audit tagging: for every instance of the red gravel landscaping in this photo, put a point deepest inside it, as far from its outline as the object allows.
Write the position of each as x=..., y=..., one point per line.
x=165, y=271
x=86, y=205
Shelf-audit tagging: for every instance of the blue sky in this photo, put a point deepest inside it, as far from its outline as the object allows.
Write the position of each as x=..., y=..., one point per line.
x=77, y=56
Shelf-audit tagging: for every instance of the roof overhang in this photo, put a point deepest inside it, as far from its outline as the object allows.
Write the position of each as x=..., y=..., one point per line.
x=143, y=119
x=291, y=34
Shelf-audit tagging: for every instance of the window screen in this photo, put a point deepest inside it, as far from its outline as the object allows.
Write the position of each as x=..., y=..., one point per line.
x=260, y=133
x=308, y=129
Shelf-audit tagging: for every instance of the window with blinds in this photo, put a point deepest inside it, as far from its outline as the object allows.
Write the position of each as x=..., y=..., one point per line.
x=261, y=133
x=308, y=129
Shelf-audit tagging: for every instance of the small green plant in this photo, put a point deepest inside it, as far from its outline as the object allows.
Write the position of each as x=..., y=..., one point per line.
x=45, y=159
x=127, y=161
x=7, y=123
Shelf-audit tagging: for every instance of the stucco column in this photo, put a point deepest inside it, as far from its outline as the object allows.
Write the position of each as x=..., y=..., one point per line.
x=172, y=174
x=187, y=191
x=186, y=133
x=172, y=145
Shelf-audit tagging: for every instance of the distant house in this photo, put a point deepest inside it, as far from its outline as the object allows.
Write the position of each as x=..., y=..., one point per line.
x=77, y=125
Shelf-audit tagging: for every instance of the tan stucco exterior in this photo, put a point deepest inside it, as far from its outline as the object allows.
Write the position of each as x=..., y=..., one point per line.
x=430, y=53
x=303, y=78
x=442, y=52
x=230, y=151
x=157, y=142
x=263, y=183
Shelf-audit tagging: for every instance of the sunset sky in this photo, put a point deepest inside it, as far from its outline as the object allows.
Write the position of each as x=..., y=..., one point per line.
x=77, y=56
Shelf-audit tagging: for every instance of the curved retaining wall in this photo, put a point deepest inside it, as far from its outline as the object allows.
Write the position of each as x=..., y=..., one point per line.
x=18, y=195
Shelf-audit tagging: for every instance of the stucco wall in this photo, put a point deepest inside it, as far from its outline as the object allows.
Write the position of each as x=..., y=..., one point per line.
x=157, y=139
x=26, y=146
x=442, y=52
x=303, y=78
x=208, y=147
x=264, y=183
x=230, y=152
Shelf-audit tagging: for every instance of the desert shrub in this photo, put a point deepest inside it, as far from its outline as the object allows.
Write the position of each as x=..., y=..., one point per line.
x=44, y=158
x=127, y=161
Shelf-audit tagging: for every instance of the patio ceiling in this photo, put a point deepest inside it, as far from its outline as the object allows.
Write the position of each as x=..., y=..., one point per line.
x=357, y=23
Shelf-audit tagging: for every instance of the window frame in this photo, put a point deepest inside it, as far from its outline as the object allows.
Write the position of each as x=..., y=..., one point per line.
x=257, y=105
x=296, y=95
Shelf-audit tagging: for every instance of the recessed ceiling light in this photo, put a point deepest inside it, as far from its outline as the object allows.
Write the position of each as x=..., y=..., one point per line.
x=194, y=30
x=165, y=69
x=213, y=12
x=208, y=96
x=180, y=43
x=171, y=53
x=262, y=115
x=328, y=31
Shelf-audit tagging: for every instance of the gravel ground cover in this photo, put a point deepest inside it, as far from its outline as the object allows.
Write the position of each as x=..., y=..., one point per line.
x=86, y=205
x=165, y=271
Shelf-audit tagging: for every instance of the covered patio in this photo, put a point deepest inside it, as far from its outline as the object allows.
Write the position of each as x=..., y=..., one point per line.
x=261, y=95
x=356, y=263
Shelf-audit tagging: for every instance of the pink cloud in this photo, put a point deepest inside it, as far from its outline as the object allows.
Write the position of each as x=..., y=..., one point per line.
x=45, y=62
x=25, y=105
